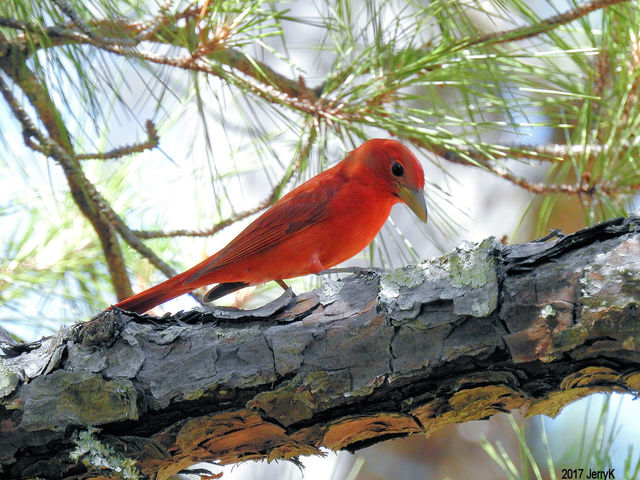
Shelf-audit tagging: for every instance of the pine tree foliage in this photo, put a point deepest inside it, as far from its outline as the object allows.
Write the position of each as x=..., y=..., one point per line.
x=97, y=94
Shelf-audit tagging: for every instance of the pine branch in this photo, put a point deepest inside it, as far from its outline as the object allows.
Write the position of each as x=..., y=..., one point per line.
x=266, y=83
x=87, y=197
x=582, y=188
x=263, y=81
x=58, y=146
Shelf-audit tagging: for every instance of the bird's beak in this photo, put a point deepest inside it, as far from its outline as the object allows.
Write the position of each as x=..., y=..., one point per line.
x=414, y=199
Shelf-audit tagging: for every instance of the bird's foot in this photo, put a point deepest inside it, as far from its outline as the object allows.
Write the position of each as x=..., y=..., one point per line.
x=236, y=315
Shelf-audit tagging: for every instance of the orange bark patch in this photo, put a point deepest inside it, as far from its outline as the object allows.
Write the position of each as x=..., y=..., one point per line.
x=355, y=429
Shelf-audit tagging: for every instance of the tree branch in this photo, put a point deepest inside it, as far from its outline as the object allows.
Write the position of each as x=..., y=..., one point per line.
x=58, y=145
x=90, y=202
x=484, y=329
x=212, y=57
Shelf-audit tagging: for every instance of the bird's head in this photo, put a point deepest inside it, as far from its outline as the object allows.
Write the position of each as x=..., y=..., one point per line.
x=397, y=170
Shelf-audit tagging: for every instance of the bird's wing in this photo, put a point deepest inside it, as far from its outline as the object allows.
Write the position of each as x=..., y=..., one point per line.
x=305, y=206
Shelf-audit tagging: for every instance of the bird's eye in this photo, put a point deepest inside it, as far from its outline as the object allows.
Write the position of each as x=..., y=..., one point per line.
x=397, y=169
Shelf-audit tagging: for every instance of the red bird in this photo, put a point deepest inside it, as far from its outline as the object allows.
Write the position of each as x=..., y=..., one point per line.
x=323, y=222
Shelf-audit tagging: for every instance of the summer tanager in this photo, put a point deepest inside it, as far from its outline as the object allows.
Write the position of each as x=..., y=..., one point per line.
x=319, y=224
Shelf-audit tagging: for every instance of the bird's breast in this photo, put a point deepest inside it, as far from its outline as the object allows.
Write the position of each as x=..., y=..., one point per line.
x=354, y=217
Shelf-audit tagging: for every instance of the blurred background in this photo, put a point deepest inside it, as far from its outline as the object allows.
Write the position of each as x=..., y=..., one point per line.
x=523, y=115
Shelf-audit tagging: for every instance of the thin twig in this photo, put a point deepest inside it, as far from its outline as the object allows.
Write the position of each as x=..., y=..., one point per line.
x=152, y=142
x=540, y=188
x=283, y=96
x=473, y=157
x=74, y=16
x=28, y=127
x=68, y=10
x=299, y=160
x=545, y=25
x=541, y=153
x=16, y=24
x=552, y=152
x=147, y=234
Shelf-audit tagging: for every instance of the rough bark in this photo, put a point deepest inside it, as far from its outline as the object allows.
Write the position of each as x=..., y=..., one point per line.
x=484, y=329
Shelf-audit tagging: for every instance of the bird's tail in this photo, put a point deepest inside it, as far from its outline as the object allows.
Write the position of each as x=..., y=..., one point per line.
x=173, y=287
x=154, y=296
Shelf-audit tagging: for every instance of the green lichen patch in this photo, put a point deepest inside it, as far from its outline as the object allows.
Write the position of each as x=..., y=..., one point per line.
x=332, y=288
x=403, y=278
x=407, y=277
x=472, y=265
x=472, y=268
x=9, y=380
x=194, y=395
x=467, y=276
x=92, y=452
x=60, y=399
